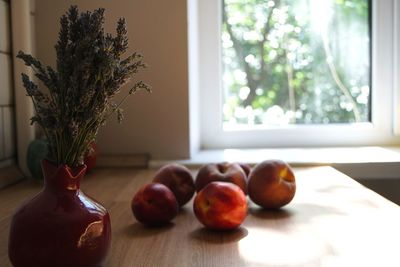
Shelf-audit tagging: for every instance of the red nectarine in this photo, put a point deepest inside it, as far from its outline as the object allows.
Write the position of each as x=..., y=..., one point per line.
x=154, y=204
x=220, y=205
x=91, y=157
x=179, y=180
x=223, y=172
x=246, y=168
x=271, y=184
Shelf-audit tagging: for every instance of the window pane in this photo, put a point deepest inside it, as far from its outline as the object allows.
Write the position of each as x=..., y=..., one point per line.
x=295, y=62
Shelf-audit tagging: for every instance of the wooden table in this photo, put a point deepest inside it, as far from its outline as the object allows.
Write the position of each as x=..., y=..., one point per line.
x=332, y=221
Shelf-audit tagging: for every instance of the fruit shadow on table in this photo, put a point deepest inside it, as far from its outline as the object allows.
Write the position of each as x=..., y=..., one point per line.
x=138, y=230
x=270, y=214
x=218, y=236
x=301, y=212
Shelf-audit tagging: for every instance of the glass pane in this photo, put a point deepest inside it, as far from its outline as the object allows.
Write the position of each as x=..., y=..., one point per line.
x=295, y=62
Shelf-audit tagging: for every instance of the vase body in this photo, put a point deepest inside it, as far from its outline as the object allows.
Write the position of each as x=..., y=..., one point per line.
x=60, y=226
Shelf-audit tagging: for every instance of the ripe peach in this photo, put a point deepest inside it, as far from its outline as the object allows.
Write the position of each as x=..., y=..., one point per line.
x=91, y=157
x=179, y=180
x=154, y=204
x=272, y=184
x=246, y=168
x=220, y=206
x=223, y=172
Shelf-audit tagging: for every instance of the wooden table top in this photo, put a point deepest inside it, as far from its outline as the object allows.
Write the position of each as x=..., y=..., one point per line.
x=332, y=221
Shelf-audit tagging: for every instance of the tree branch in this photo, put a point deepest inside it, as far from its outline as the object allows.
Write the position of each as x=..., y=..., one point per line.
x=251, y=82
x=336, y=78
x=265, y=33
x=291, y=92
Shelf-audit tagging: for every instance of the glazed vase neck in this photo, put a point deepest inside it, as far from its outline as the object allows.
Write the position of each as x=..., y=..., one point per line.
x=62, y=178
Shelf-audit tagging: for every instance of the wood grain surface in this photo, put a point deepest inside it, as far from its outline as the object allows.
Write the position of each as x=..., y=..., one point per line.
x=332, y=221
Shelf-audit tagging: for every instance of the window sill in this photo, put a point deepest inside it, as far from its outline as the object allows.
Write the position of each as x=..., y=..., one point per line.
x=357, y=162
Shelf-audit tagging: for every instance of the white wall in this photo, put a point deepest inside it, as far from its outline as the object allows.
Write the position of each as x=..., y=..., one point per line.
x=156, y=123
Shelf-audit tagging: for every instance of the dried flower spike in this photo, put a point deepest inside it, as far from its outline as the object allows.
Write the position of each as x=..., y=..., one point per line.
x=89, y=72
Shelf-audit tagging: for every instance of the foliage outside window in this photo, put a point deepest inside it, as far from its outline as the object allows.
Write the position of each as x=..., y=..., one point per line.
x=295, y=62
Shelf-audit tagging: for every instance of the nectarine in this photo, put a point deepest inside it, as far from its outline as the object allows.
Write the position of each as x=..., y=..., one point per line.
x=179, y=180
x=91, y=157
x=220, y=206
x=271, y=184
x=154, y=204
x=223, y=172
x=246, y=168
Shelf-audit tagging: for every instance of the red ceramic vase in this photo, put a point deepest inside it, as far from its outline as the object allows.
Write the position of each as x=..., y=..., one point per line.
x=60, y=226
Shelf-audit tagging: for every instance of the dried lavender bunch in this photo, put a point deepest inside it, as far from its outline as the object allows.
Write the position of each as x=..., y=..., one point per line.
x=90, y=72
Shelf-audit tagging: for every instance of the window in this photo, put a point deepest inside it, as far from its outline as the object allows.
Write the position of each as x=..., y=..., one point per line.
x=328, y=76
x=295, y=62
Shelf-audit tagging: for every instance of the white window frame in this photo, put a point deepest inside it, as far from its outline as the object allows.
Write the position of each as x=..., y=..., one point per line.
x=382, y=130
x=22, y=40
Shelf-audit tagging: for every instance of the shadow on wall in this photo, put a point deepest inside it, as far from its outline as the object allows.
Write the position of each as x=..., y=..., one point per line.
x=386, y=187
